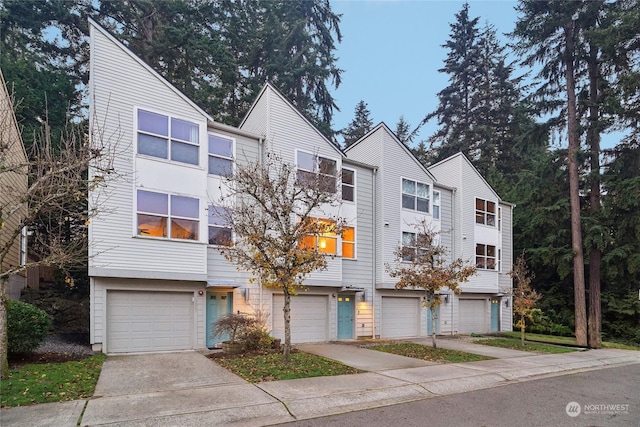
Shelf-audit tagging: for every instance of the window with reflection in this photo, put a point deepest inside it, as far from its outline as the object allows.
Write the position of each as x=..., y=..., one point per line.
x=314, y=169
x=220, y=155
x=220, y=233
x=167, y=137
x=164, y=215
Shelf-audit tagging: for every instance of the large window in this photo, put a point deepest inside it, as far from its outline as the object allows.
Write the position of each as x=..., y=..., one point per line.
x=485, y=257
x=219, y=227
x=167, y=137
x=348, y=185
x=415, y=195
x=410, y=246
x=348, y=242
x=436, y=204
x=220, y=155
x=325, y=240
x=164, y=215
x=485, y=212
x=312, y=168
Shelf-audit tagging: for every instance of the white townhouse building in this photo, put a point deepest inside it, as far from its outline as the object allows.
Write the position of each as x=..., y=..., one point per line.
x=157, y=278
x=445, y=196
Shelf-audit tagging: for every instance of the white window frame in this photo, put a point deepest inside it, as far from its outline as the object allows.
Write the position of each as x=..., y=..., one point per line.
x=316, y=167
x=486, y=258
x=219, y=226
x=353, y=186
x=168, y=137
x=484, y=216
x=436, y=206
x=219, y=156
x=169, y=217
x=415, y=196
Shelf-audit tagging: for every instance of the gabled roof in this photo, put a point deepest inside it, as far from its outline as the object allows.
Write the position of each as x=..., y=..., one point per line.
x=269, y=86
x=464, y=158
x=384, y=127
x=107, y=34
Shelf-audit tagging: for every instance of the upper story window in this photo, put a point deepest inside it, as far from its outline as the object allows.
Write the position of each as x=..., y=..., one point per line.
x=325, y=241
x=164, y=215
x=415, y=195
x=485, y=212
x=436, y=204
x=348, y=242
x=485, y=257
x=167, y=137
x=312, y=167
x=410, y=246
x=348, y=185
x=219, y=227
x=220, y=155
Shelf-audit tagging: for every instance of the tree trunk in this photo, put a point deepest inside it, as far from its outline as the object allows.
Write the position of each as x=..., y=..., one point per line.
x=4, y=335
x=522, y=328
x=433, y=326
x=574, y=191
x=595, y=254
x=286, y=352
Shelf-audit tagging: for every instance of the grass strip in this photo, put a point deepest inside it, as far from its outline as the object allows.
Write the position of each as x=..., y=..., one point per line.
x=516, y=344
x=428, y=353
x=271, y=367
x=51, y=382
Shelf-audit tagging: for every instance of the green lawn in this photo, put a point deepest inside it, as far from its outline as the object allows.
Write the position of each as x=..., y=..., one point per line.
x=51, y=382
x=516, y=344
x=418, y=351
x=552, y=339
x=270, y=366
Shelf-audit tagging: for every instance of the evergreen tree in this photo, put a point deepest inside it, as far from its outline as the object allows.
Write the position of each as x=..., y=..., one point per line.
x=402, y=131
x=359, y=126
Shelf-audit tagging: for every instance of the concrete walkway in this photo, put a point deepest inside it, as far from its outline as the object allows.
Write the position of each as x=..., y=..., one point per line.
x=187, y=389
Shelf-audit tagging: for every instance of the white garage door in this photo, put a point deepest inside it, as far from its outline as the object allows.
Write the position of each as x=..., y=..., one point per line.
x=473, y=316
x=149, y=321
x=400, y=317
x=309, y=314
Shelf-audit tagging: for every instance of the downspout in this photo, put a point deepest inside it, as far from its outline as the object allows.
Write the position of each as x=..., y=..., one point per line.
x=260, y=154
x=375, y=254
x=453, y=247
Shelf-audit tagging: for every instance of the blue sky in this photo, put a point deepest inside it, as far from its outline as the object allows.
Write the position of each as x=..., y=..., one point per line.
x=391, y=52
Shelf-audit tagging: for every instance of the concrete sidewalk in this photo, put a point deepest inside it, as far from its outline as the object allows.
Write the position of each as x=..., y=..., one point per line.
x=187, y=389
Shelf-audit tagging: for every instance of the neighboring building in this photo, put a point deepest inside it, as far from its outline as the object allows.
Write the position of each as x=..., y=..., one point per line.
x=13, y=187
x=482, y=232
x=158, y=280
x=444, y=196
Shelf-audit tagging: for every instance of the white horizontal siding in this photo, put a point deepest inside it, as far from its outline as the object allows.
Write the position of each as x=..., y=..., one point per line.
x=114, y=101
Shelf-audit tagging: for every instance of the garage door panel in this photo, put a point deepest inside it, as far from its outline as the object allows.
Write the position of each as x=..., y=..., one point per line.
x=473, y=316
x=309, y=315
x=149, y=321
x=400, y=317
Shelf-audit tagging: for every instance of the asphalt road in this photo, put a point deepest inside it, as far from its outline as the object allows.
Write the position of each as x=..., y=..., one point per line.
x=606, y=397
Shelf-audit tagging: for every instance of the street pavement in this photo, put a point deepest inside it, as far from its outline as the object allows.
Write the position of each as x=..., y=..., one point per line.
x=187, y=389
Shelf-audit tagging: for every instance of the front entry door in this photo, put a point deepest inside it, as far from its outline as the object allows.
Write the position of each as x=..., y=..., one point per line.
x=345, y=316
x=218, y=304
x=430, y=329
x=495, y=314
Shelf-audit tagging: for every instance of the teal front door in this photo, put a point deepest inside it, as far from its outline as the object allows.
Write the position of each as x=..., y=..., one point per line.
x=345, y=316
x=495, y=314
x=430, y=321
x=218, y=304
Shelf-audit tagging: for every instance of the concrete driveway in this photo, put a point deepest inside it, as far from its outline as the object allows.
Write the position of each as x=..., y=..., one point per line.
x=184, y=389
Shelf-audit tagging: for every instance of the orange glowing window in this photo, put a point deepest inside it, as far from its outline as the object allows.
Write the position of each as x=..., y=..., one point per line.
x=162, y=215
x=348, y=242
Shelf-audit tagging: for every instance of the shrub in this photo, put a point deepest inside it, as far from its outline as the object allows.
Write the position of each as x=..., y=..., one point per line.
x=256, y=338
x=232, y=325
x=27, y=326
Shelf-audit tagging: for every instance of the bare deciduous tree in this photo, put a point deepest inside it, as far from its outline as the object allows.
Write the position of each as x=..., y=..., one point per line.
x=50, y=204
x=275, y=214
x=422, y=264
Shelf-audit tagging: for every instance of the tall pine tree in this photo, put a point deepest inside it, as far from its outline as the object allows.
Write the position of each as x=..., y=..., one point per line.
x=359, y=126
